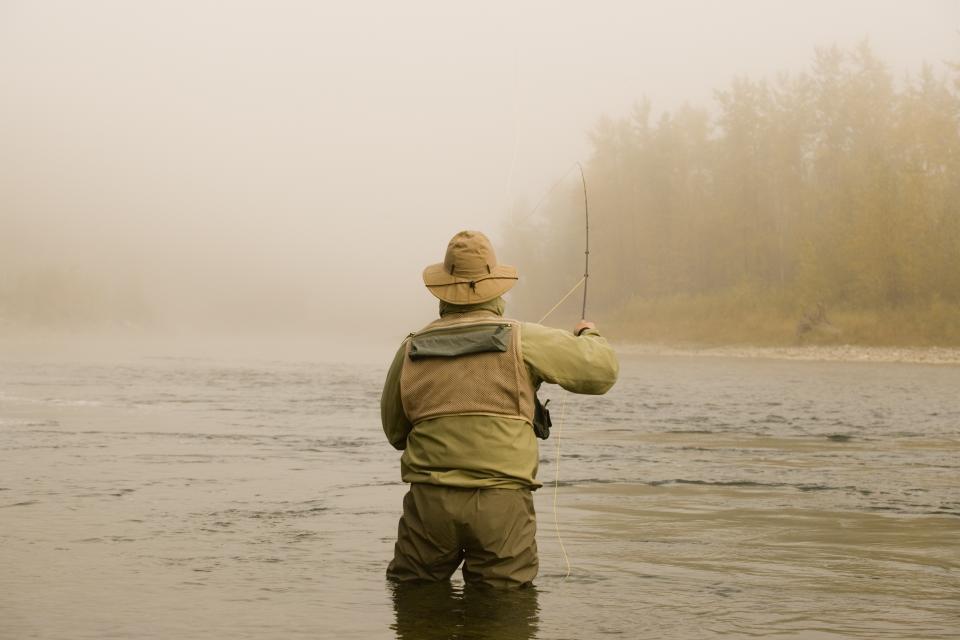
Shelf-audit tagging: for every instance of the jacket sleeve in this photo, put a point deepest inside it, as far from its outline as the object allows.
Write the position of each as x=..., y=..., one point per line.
x=396, y=426
x=581, y=364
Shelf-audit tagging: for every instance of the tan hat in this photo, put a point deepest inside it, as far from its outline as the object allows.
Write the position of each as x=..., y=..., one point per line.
x=469, y=274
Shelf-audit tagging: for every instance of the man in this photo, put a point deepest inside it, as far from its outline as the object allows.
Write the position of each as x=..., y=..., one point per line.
x=460, y=401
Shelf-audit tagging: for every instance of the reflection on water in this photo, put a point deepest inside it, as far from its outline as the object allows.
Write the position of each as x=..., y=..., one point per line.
x=443, y=611
x=162, y=498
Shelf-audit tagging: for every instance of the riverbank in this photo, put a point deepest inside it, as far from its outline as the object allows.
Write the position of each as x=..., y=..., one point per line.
x=834, y=353
x=747, y=318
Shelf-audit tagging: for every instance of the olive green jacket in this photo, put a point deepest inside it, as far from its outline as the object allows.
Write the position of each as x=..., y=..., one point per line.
x=487, y=451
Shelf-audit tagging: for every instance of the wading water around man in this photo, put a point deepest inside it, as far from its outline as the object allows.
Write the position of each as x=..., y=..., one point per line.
x=460, y=401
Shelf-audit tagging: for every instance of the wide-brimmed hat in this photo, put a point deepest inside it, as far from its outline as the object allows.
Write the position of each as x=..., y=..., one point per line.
x=469, y=273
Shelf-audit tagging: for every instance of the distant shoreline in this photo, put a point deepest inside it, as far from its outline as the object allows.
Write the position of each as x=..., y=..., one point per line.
x=55, y=346
x=815, y=353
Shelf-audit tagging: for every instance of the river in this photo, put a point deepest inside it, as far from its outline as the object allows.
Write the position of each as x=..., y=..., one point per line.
x=219, y=497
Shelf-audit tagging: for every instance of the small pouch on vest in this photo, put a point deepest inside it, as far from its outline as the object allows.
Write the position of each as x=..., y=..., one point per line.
x=541, y=418
x=460, y=341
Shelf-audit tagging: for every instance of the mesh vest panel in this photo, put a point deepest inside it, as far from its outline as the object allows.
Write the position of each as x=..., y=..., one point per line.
x=492, y=383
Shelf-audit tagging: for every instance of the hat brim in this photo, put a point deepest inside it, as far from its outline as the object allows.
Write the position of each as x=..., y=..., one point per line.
x=457, y=290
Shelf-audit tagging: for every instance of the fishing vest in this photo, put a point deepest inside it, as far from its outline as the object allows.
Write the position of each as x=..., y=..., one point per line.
x=466, y=366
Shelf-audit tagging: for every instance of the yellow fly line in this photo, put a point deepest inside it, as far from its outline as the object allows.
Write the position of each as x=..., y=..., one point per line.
x=562, y=300
x=556, y=476
x=556, y=485
x=583, y=316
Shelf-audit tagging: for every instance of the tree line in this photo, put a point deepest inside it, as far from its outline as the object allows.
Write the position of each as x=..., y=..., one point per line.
x=837, y=187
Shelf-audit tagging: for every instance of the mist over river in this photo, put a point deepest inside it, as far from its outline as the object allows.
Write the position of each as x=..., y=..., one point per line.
x=227, y=497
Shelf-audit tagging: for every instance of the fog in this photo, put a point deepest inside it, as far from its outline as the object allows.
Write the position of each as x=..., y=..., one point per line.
x=290, y=168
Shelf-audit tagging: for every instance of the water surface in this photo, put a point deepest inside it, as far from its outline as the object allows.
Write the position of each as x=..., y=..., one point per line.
x=703, y=497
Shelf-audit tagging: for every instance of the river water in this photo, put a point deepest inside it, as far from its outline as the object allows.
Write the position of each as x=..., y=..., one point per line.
x=159, y=497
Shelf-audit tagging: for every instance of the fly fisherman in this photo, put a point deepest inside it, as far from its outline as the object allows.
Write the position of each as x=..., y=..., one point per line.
x=460, y=401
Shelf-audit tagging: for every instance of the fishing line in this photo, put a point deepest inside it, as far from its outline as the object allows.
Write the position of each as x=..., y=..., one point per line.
x=516, y=124
x=586, y=251
x=546, y=194
x=583, y=316
x=556, y=485
x=582, y=280
x=556, y=476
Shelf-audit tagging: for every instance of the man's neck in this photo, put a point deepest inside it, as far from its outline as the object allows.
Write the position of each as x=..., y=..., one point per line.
x=495, y=306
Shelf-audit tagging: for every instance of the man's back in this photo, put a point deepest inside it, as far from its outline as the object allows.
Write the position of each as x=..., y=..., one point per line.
x=481, y=449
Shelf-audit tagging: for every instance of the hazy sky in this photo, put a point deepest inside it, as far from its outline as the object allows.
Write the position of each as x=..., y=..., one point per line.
x=235, y=157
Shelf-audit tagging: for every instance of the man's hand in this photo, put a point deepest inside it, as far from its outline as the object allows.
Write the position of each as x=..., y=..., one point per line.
x=582, y=326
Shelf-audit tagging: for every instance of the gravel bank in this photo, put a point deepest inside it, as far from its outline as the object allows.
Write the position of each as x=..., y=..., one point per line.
x=839, y=353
